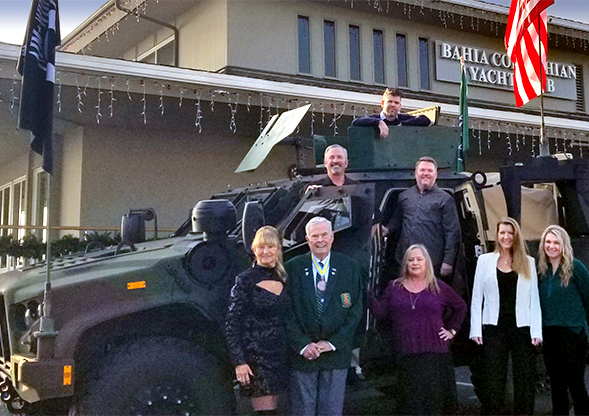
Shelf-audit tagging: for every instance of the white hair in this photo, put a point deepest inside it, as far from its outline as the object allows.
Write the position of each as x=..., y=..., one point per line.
x=335, y=146
x=315, y=221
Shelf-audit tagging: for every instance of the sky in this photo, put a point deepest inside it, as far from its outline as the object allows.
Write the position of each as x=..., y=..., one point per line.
x=14, y=15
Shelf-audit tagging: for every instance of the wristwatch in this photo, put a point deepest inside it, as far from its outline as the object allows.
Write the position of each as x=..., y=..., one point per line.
x=453, y=332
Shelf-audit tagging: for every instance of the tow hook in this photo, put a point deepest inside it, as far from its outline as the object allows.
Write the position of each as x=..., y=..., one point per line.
x=9, y=396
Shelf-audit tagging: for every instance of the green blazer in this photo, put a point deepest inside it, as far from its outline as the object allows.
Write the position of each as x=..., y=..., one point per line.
x=341, y=314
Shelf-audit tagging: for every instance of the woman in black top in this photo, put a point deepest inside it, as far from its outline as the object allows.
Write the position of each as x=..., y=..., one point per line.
x=256, y=325
x=506, y=320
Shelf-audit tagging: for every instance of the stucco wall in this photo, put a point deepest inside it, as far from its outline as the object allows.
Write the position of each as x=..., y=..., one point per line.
x=164, y=170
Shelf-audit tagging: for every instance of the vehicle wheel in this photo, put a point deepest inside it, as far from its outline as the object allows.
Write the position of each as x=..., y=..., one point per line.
x=158, y=376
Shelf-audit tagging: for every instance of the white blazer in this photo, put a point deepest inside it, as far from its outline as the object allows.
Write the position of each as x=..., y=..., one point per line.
x=484, y=307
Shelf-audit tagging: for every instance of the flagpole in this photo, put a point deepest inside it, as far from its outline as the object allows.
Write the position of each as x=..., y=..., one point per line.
x=47, y=333
x=544, y=148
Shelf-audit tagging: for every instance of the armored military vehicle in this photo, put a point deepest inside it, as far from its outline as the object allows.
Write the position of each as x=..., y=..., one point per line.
x=138, y=328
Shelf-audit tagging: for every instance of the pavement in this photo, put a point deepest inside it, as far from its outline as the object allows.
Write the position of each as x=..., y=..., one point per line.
x=376, y=396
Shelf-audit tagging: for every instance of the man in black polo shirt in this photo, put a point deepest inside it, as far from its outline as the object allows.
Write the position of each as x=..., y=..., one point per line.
x=391, y=115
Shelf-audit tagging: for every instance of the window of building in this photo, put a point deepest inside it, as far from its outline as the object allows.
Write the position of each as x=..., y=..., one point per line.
x=161, y=54
x=424, y=80
x=402, y=60
x=580, y=103
x=378, y=46
x=304, y=45
x=12, y=212
x=355, y=53
x=329, y=48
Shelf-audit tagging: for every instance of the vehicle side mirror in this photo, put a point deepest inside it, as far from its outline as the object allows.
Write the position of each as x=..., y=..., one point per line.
x=252, y=221
x=133, y=225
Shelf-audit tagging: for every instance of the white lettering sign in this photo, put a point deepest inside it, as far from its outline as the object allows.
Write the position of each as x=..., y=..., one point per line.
x=491, y=69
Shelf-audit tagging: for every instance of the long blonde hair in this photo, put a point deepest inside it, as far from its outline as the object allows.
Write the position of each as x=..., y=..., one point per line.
x=269, y=236
x=430, y=277
x=519, y=253
x=566, y=254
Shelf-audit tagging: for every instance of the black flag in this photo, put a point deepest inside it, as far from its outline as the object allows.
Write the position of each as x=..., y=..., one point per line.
x=36, y=65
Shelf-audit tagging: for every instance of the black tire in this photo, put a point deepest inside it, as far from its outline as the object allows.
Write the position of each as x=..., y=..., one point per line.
x=158, y=376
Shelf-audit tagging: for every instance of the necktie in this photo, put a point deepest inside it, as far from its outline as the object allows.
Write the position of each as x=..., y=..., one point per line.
x=320, y=291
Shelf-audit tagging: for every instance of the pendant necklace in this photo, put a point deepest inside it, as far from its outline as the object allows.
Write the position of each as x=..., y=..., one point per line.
x=321, y=271
x=413, y=302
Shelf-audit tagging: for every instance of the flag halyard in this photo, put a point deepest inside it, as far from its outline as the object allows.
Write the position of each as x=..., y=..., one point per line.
x=463, y=119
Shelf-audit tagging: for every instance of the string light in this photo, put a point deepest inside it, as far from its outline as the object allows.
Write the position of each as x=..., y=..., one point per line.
x=79, y=93
x=13, y=92
x=98, y=114
x=58, y=79
x=161, y=106
x=128, y=90
x=233, y=107
x=144, y=101
x=112, y=96
x=182, y=89
x=197, y=122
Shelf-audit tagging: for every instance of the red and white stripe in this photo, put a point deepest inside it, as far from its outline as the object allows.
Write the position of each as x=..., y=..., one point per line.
x=526, y=41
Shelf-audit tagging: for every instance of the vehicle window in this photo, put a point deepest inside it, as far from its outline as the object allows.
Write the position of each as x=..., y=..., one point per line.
x=337, y=210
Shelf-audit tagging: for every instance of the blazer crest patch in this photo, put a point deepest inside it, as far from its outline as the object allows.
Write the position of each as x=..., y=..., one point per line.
x=346, y=300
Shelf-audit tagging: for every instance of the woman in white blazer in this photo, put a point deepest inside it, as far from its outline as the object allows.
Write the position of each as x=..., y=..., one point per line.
x=506, y=318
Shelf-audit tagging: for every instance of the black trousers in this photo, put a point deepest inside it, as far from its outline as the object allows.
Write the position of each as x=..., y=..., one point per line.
x=427, y=385
x=565, y=354
x=498, y=342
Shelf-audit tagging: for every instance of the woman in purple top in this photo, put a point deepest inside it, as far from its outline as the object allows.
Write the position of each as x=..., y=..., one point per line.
x=425, y=314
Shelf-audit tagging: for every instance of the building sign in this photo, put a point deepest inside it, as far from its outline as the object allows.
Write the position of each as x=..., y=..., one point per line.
x=491, y=69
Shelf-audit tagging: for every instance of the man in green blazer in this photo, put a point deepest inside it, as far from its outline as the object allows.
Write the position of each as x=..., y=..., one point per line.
x=326, y=303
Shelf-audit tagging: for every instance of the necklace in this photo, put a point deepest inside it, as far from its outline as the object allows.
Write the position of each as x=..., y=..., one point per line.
x=413, y=302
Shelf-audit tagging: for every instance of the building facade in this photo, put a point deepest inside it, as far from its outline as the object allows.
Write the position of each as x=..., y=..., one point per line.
x=158, y=101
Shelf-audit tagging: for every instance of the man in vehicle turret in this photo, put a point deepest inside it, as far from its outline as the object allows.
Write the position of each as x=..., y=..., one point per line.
x=336, y=161
x=391, y=115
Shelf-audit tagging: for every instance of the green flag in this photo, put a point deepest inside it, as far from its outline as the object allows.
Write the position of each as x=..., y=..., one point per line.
x=463, y=119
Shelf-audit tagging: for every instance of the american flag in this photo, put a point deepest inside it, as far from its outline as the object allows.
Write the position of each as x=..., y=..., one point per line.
x=526, y=40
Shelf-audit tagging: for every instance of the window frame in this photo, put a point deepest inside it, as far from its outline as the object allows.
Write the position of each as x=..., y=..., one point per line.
x=424, y=69
x=308, y=19
x=325, y=22
x=383, y=56
x=406, y=63
x=359, y=52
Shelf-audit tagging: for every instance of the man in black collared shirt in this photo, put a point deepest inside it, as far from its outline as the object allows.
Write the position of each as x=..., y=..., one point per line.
x=427, y=215
x=391, y=115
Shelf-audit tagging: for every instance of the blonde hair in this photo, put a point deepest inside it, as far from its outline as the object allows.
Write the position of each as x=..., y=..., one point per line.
x=519, y=253
x=269, y=236
x=566, y=254
x=430, y=277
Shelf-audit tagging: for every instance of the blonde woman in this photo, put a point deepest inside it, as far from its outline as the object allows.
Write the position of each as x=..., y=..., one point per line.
x=256, y=325
x=564, y=297
x=506, y=319
x=425, y=314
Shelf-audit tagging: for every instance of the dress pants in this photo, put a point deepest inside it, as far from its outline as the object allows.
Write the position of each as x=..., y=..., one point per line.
x=318, y=393
x=565, y=354
x=427, y=385
x=498, y=342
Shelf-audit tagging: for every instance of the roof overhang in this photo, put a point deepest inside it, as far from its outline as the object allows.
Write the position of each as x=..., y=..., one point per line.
x=195, y=79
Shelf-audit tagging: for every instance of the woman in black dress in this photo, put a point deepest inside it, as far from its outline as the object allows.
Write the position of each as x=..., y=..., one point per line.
x=256, y=325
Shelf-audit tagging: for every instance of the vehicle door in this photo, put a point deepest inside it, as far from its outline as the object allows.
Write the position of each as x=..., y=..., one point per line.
x=350, y=209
